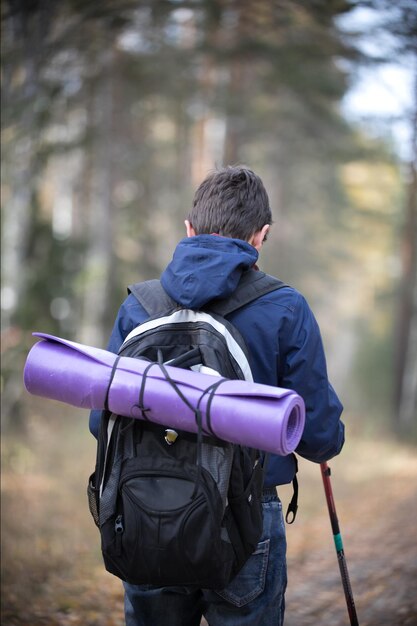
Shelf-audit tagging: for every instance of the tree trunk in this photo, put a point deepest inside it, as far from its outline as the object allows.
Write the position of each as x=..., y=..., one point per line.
x=20, y=162
x=405, y=398
x=99, y=255
x=234, y=122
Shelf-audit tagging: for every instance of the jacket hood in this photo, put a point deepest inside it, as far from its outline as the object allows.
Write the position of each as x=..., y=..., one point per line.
x=206, y=267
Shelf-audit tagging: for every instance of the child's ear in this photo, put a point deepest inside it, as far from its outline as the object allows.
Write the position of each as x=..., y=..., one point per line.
x=259, y=237
x=189, y=229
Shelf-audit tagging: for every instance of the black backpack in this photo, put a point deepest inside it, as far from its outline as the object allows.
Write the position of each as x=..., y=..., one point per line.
x=176, y=508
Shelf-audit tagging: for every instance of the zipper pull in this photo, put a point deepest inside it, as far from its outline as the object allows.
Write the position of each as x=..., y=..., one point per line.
x=118, y=524
x=118, y=529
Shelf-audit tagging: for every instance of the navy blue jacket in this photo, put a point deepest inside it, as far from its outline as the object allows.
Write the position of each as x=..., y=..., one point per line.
x=279, y=329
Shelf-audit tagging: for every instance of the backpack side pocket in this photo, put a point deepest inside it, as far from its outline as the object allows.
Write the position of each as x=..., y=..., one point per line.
x=93, y=499
x=246, y=511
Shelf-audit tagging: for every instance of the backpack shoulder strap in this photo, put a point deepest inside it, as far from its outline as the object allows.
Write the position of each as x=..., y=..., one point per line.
x=153, y=297
x=252, y=285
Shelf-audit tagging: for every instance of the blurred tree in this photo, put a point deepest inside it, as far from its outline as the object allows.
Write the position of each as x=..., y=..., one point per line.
x=405, y=399
x=398, y=27
x=386, y=32
x=404, y=27
x=23, y=117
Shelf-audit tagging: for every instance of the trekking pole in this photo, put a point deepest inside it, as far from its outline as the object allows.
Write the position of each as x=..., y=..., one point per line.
x=325, y=473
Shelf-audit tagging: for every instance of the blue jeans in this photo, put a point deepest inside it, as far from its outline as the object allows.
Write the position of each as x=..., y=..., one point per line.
x=255, y=597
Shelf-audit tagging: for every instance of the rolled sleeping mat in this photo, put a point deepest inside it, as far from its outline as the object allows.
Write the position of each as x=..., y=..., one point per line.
x=246, y=413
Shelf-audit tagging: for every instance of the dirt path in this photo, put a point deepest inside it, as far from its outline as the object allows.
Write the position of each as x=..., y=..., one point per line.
x=380, y=538
x=52, y=574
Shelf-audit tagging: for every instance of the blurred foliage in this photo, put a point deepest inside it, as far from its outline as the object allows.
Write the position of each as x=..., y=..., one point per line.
x=113, y=112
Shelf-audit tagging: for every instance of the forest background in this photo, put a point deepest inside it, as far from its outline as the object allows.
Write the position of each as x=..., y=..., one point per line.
x=112, y=113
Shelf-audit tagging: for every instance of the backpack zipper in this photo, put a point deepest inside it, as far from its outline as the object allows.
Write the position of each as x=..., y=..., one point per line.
x=119, y=530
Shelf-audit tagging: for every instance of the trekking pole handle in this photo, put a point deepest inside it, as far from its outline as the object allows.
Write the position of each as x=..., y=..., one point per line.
x=326, y=472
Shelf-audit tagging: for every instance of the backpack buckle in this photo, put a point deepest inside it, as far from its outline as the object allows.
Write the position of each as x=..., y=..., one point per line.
x=170, y=436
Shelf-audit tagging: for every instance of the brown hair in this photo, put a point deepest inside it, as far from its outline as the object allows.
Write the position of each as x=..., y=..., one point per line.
x=231, y=201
